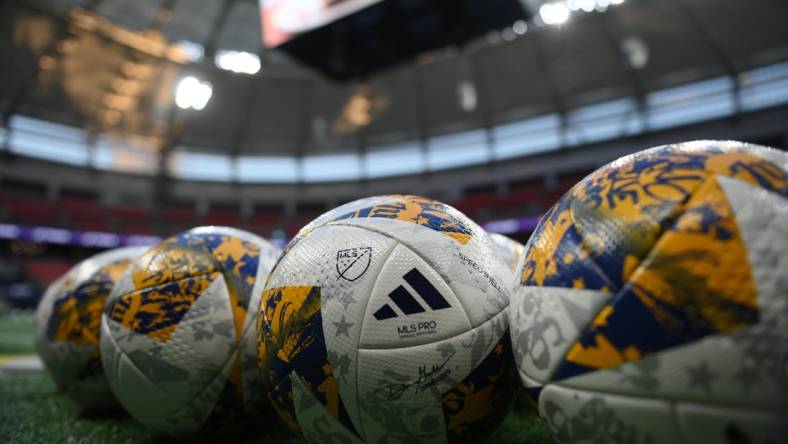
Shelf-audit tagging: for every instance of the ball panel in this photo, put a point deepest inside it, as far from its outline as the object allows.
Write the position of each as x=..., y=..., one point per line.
x=421, y=211
x=721, y=425
x=402, y=389
x=410, y=304
x=156, y=310
x=475, y=272
x=138, y=389
x=320, y=427
x=208, y=406
x=760, y=216
x=556, y=257
x=578, y=416
x=202, y=344
x=281, y=398
x=172, y=260
x=292, y=330
x=318, y=259
x=694, y=282
x=417, y=419
x=467, y=260
x=77, y=314
x=738, y=370
x=476, y=405
x=583, y=416
x=544, y=323
x=238, y=254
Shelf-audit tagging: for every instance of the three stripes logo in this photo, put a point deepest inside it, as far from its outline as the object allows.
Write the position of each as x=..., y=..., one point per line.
x=407, y=303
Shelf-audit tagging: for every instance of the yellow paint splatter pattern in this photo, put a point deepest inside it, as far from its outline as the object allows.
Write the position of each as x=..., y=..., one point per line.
x=656, y=230
x=420, y=211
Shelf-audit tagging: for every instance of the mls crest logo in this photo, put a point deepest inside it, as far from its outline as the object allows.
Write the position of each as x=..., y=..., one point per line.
x=353, y=262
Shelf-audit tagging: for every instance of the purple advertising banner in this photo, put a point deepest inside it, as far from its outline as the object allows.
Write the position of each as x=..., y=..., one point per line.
x=100, y=239
x=62, y=236
x=508, y=226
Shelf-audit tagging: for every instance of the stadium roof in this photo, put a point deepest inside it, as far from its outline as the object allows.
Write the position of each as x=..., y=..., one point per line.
x=111, y=67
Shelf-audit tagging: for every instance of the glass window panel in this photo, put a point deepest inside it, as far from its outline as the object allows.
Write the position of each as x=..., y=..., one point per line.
x=395, y=160
x=267, y=169
x=331, y=168
x=201, y=166
x=529, y=136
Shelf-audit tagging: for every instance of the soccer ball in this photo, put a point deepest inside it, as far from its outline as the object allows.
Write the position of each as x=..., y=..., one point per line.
x=177, y=345
x=653, y=304
x=385, y=320
x=67, y=326
x=510, y=250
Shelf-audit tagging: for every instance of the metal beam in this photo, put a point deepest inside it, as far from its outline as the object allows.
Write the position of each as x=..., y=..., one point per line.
x=612, y=29
x=216, y=29
x=28, y=82
x=552, y=89
x=711, y=44
x=420, y=112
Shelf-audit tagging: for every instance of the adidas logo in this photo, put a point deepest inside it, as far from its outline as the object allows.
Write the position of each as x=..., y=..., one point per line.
x=408, y=304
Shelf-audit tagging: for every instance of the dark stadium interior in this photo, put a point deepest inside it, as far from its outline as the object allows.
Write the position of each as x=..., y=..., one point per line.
x=499, y=127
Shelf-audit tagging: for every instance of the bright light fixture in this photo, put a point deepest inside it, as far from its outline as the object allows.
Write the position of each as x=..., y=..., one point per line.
x=520, y=27
x=554, y=13
x=466, y=91
x=192, y=93
x=237, y=61
x=586, y=5
x=193, y=52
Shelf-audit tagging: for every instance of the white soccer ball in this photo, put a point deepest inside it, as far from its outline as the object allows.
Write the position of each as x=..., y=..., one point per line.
x=511, y=251
x=385, y=320
x=67, y=326
x=177, y=343
x=653, y=304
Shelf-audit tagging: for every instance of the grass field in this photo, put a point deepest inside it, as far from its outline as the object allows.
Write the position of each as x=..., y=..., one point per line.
x=16, y=334
x=32, y=410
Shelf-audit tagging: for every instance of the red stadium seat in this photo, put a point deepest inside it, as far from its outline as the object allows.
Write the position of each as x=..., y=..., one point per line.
x=47, y=270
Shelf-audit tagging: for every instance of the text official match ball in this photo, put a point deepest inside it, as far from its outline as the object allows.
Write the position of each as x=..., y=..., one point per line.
x=653, y=304
x=67, y=326
x=385, y=321
x=177, y=342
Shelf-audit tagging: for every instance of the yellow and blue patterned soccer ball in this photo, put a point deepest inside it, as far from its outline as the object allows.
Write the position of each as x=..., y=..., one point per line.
x=67, y=326
x=177, y=340
x=653, y=300
x=385, y=321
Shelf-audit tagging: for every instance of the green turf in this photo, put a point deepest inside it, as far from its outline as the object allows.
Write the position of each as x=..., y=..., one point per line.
x=33, y=411
x=16, y=334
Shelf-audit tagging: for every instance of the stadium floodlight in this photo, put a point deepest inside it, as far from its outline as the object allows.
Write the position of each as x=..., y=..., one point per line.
x=586, y=5
x=466, y=91
x=194, y=52
x=237, y=61
x=554, y=13
x=192, y=93
x=520, y=27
